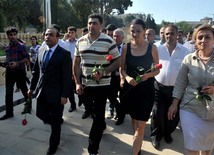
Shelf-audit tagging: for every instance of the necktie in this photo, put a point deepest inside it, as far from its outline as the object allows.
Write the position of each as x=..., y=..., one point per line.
x=47, y=58
x=119, y=47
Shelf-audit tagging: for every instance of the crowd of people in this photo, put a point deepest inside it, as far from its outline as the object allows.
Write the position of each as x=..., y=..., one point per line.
x=100, y=67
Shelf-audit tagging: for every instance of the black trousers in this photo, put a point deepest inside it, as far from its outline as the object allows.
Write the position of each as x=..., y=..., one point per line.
x=97, y=96
x=13, y=76
x=113, y=94
x=160, y=125
x=50, y=113
x=71, y=95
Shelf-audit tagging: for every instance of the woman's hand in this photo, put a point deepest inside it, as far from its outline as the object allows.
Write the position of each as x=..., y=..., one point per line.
x=131, y=81
x=144, y=77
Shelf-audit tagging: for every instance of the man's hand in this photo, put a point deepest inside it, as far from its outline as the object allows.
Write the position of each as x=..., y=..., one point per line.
x=79, y=89
x=13, y=64
x=63, y=100
x=66, y=36
x=30, y=93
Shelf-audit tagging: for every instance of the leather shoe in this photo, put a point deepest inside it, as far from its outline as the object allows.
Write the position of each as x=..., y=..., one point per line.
x=6, y=116
x=85, y=115
x=155, y=143
x=119, y=122
x=51, y=150
x=72, y=109
x=168, y=139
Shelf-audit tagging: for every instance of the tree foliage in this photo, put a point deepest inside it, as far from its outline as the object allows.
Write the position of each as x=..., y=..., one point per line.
x=62, y=14
x=184, y=26
x=128, y=19
x=20, y=13
x=30, y=13
x=83, y=8
x=118, y=22
x=115, y=6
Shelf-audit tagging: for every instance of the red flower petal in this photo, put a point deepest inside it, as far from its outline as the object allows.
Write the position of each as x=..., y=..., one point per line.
x=109, y=57
x=24, y=122
x=158, y=66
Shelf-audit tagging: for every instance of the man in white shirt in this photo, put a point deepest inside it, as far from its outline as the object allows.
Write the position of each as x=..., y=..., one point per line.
x=171, y=55
x=162, y=37
x=70, y=39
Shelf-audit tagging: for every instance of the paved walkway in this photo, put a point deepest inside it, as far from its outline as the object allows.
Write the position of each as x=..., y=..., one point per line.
x=32, y=139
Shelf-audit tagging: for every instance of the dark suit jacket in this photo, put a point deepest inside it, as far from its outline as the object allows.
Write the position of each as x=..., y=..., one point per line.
x=53, y=84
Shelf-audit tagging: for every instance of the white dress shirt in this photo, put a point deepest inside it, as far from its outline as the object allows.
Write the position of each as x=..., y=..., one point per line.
x=171, y=64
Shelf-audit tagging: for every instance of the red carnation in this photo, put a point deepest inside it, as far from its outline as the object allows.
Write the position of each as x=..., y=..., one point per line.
x=158, y=66
x=109, y=57
x=24, y=122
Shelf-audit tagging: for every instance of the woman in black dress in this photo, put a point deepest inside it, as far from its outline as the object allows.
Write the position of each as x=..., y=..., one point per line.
x=138, y=90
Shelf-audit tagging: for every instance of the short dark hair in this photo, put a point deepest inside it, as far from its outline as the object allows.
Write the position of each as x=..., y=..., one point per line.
x=139, y=22
x=96, y=15
x=33, y=37
x=85, y=29
x=72, y=28
x=55, y=26
x=173, y=26
x=111, y=27
x=11, y=29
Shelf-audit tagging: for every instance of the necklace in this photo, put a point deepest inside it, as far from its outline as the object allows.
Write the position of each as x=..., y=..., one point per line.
x=208, y=58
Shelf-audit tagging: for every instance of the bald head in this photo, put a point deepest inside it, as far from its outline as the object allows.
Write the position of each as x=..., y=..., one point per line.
x=150, y=35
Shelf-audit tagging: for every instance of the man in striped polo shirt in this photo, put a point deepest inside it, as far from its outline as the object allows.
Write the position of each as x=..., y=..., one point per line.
x=91, y=50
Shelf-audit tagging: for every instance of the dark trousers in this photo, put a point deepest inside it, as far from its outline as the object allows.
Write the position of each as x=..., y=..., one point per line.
x=98, y=96
x=160, y=125
x=113, y=94
x=71, y=95
x=13, y=76
x=50, y=113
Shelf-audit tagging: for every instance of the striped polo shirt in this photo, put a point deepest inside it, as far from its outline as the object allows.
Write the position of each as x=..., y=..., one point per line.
x=94, y=54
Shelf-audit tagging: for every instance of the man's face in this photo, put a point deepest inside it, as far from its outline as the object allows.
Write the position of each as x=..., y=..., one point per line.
x=180, y=37
x=118, y=38
x=72, y=34
x=162, y=37
x=150, y=37
x=33, y=41
x=12, y=36
x=109, y=33
x=51, y=37
x=94, y=26
x=170, y=35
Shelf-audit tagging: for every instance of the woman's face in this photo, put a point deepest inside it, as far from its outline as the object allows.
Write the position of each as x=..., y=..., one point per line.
x=204, y=40
x=137, y=31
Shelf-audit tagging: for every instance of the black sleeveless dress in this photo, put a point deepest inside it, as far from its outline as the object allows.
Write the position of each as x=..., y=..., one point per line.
x=138, y=100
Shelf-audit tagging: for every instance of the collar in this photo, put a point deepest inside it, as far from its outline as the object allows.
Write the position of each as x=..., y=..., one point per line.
x=52, y=48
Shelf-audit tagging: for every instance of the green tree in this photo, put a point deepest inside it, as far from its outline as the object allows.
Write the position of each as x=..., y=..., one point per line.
x=2, y=23
x=150, y=22
x=20, y=13
x=114, y=6
x=128, y=19
x=184, y=26
x=114, y=20
x=83, y=8
x=62, y=14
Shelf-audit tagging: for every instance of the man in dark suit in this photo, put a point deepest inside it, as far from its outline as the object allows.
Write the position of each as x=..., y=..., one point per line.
x=51, y=78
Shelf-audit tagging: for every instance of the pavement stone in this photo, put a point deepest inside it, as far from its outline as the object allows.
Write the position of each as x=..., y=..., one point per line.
x=33, y=138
